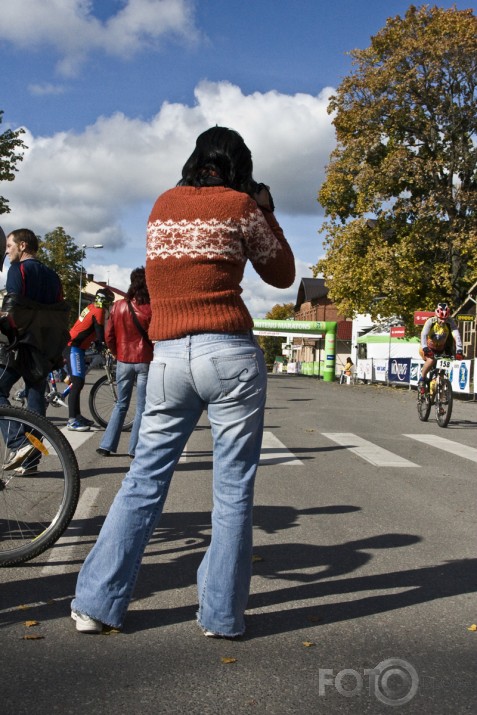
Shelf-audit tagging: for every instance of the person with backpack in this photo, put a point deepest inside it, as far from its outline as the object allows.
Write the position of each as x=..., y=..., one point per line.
x=34, y=318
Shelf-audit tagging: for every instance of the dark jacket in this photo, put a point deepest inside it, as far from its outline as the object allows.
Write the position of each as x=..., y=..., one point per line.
x=37, y=333
x=122, y=335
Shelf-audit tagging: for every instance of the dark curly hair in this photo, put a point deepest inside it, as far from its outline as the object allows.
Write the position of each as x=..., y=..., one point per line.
x=138, y=289
x=220, y=157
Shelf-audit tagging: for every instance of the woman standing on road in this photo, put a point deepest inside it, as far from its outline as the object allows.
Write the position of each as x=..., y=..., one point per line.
x=127, y=339
x=199, y=238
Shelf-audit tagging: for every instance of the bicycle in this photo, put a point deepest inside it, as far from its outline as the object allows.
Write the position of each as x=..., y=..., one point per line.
x=103, y=396
x=438, y=394
x=52, y=396
x=35, y=507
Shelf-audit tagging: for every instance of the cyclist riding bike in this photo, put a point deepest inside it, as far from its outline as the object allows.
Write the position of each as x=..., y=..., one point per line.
x=436, y=333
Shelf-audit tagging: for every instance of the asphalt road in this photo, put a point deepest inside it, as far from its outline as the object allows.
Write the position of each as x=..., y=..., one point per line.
x=364, y=581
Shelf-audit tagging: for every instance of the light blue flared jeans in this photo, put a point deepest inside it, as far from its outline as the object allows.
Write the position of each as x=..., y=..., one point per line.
x=226, y=374
x=126, y=374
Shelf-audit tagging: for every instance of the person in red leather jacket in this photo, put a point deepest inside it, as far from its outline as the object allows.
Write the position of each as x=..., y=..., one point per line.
x=127, y=339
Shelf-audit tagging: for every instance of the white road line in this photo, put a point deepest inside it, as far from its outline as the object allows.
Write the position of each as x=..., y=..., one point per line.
x=372, y=453
x=275, y=452
x=62, y=553
x=76, y=439
x=448, y=445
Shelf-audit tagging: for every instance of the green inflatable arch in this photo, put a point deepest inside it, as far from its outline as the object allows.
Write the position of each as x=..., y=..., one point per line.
x=288, y=327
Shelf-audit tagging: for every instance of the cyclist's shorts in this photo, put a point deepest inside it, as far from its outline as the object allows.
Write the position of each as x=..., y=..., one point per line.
x=77, y=362
x=435, y=356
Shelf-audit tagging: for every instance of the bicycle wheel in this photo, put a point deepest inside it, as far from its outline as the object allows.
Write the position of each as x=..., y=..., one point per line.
x=444, y=401
x=423, y=406
x=102, y=399
x=35, y=507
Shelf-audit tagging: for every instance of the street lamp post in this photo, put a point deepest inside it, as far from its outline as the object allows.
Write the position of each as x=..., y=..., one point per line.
x=83, y=255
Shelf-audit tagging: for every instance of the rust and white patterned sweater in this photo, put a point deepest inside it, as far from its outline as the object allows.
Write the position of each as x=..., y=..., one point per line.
x=198, y=242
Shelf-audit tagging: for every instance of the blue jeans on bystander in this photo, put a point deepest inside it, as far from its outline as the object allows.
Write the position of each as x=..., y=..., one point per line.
x=126, y=374
x=226, y=374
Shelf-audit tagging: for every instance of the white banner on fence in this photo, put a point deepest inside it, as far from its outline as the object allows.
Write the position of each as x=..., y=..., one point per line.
x=380, y=370
x=416, y=367
x=364, y=370
x=460, y=376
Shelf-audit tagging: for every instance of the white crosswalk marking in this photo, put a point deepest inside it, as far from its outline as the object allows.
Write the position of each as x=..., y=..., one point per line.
x=275, y=452
x=448, y=445
x=76, y=439
x=372, y=453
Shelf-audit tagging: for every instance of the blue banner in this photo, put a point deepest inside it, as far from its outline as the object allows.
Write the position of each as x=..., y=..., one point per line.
x=399, y=370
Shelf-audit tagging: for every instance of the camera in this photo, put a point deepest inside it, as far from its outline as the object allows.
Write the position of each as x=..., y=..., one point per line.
x=256, y=187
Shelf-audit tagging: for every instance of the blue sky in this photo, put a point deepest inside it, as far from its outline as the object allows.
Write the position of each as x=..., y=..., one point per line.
x=112, y=94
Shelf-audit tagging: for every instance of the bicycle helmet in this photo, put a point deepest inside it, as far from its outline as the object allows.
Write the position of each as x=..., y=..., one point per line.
x=442, y=311
x=104, y=297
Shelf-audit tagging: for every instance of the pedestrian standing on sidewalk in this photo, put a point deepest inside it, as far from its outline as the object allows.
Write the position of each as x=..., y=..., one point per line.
x=127, y=339
x=200, y=235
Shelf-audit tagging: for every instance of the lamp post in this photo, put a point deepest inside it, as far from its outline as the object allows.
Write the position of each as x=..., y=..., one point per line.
x=84, y=247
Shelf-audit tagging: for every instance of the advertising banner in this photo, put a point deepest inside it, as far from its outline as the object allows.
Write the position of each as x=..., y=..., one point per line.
x=416, y=367
x=380, y=369
x=420, y=316
x=364, y=370
x=460, y=376
x=399, y=370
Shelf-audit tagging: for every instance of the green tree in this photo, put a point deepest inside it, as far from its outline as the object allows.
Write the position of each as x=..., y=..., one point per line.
x=272, y=346
x=59, y=251
x=400, y=193
x=10, y=145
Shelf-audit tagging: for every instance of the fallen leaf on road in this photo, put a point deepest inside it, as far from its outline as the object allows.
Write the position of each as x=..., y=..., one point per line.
x=29, y=624
x=473, y=627
x=32, y=638
x=308, y=644
x=227, y=660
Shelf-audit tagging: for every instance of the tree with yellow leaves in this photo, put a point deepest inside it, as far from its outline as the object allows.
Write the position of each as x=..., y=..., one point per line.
x=400, y=193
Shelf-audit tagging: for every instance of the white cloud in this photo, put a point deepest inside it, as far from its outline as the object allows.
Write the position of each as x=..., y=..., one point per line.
x=46, y=89
x=260, y=298
x=70, y=28
x=89, y=182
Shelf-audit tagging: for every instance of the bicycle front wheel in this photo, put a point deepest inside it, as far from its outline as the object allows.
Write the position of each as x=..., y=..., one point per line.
x=39, y=493
x=444, y=400
x=102, y=399
x=423, y=406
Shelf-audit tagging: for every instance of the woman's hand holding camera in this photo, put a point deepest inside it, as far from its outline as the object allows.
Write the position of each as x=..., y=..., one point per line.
x=261, y=194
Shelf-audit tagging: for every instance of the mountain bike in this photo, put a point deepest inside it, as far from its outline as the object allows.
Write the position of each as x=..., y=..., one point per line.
x=438, y=394
x=103, y=396
x=36, y=506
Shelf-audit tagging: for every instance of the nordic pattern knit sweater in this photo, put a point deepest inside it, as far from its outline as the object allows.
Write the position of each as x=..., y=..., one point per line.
x=198, y=242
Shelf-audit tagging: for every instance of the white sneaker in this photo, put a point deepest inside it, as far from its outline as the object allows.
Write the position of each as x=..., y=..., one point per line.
x=86, y=624
x=18, y=457
x=25, y=471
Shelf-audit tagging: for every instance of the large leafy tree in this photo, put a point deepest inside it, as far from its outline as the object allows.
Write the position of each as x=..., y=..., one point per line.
x=400, y=193
x=10, y=154
x=272, y=346
x=59, y=251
